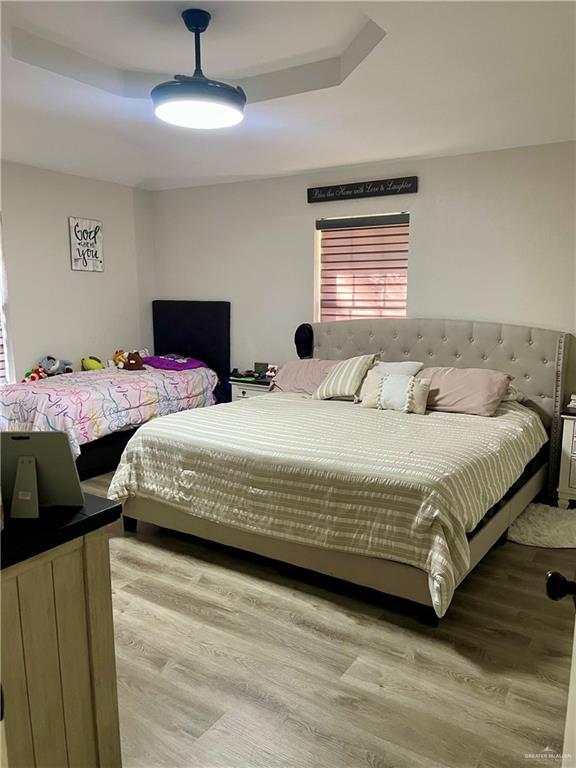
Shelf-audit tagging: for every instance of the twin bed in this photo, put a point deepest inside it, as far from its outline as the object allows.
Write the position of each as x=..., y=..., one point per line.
x=100, y=410
x=93, y=404
x=403, y=503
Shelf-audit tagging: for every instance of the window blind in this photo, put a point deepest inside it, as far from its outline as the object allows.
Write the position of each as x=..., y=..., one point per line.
x=2, y=353
x=3, y=371
x=363, y=267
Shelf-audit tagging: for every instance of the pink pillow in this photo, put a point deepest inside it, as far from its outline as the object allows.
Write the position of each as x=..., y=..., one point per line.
x=477, y=391
x=304, y=376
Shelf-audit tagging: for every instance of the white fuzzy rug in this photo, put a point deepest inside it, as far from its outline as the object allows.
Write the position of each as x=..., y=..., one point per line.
x=543, y=526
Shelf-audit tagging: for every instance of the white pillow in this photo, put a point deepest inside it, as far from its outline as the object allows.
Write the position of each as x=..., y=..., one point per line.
x=345, y=379
x=395, y=392
x=403, y=393
x=407, y=367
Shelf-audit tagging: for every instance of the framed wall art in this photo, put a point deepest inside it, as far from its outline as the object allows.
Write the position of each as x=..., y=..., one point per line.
x=86, y=245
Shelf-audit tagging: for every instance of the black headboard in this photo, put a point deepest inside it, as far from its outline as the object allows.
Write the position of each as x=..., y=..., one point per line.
x=199, y=329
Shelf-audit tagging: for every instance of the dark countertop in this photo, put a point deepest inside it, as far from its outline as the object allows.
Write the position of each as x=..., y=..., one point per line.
x=23, y=539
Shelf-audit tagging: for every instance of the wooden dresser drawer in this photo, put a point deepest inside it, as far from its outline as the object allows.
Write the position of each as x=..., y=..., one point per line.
x=240, y=392
x=567, y=476
x=572, y=477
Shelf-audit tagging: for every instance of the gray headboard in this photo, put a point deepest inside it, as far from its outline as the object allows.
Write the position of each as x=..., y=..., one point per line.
x=537, y=358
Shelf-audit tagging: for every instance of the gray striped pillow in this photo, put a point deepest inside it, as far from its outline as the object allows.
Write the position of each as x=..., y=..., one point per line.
x=345, y=379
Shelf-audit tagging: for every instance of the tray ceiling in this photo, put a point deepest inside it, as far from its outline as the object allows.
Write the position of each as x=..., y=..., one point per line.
x=446, y=78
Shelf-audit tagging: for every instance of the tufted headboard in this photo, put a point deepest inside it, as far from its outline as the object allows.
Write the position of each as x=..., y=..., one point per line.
x=537, y=358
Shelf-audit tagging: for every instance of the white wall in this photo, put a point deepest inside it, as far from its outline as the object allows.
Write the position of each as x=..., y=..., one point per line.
x=51, y=309
x=145, y=262
x=492, y=238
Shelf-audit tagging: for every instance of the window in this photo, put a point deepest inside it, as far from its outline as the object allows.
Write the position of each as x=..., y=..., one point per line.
x=3, y=371
x=3, y=352
x=362, y=267
x=3, y=376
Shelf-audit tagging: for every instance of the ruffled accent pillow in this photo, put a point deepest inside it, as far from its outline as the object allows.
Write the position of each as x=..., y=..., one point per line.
x=406, y=367
x=396, y=392
x=345, y=379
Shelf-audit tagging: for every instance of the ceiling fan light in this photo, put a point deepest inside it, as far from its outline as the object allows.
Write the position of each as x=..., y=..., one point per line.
x=196, y=102
x=195, y=113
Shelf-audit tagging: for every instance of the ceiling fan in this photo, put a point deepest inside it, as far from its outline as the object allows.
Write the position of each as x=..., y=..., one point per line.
x=195, y=101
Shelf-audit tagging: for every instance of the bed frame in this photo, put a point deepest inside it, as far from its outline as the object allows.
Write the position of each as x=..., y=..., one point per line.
x=102, y=455
x=537, y=358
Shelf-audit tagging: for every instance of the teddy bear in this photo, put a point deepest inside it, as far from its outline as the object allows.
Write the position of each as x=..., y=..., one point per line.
x=129, y=361
x=133, y=362
x=54, y=367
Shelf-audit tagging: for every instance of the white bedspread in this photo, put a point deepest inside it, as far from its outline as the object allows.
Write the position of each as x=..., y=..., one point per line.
x=380, y=483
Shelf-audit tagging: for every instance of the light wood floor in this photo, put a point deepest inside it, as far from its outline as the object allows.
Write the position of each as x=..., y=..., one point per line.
x=230, y=661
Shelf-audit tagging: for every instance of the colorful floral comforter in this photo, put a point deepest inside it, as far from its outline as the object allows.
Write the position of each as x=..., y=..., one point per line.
x=91, y=404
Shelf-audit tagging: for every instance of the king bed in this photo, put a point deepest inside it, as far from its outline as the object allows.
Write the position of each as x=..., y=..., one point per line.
x=406, y=504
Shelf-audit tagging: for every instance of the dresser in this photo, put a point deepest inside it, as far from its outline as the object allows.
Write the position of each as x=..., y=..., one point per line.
x=567, y=481
x=60, y=706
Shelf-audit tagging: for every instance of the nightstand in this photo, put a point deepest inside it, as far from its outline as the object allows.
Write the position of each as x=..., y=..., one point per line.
x=567, y=482
x=244, y=391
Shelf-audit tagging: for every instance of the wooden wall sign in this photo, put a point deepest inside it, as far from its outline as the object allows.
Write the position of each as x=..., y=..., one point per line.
x=403, y=186
x=86, y=247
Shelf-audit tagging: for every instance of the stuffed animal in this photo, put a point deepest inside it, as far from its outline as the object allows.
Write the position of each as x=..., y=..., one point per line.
x=92, y=363
x=34, y=374
x=133, y=362
x=54, y=367
x=130, y=361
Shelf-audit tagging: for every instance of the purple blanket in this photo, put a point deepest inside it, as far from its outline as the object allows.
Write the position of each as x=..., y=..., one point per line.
x=173, y=362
